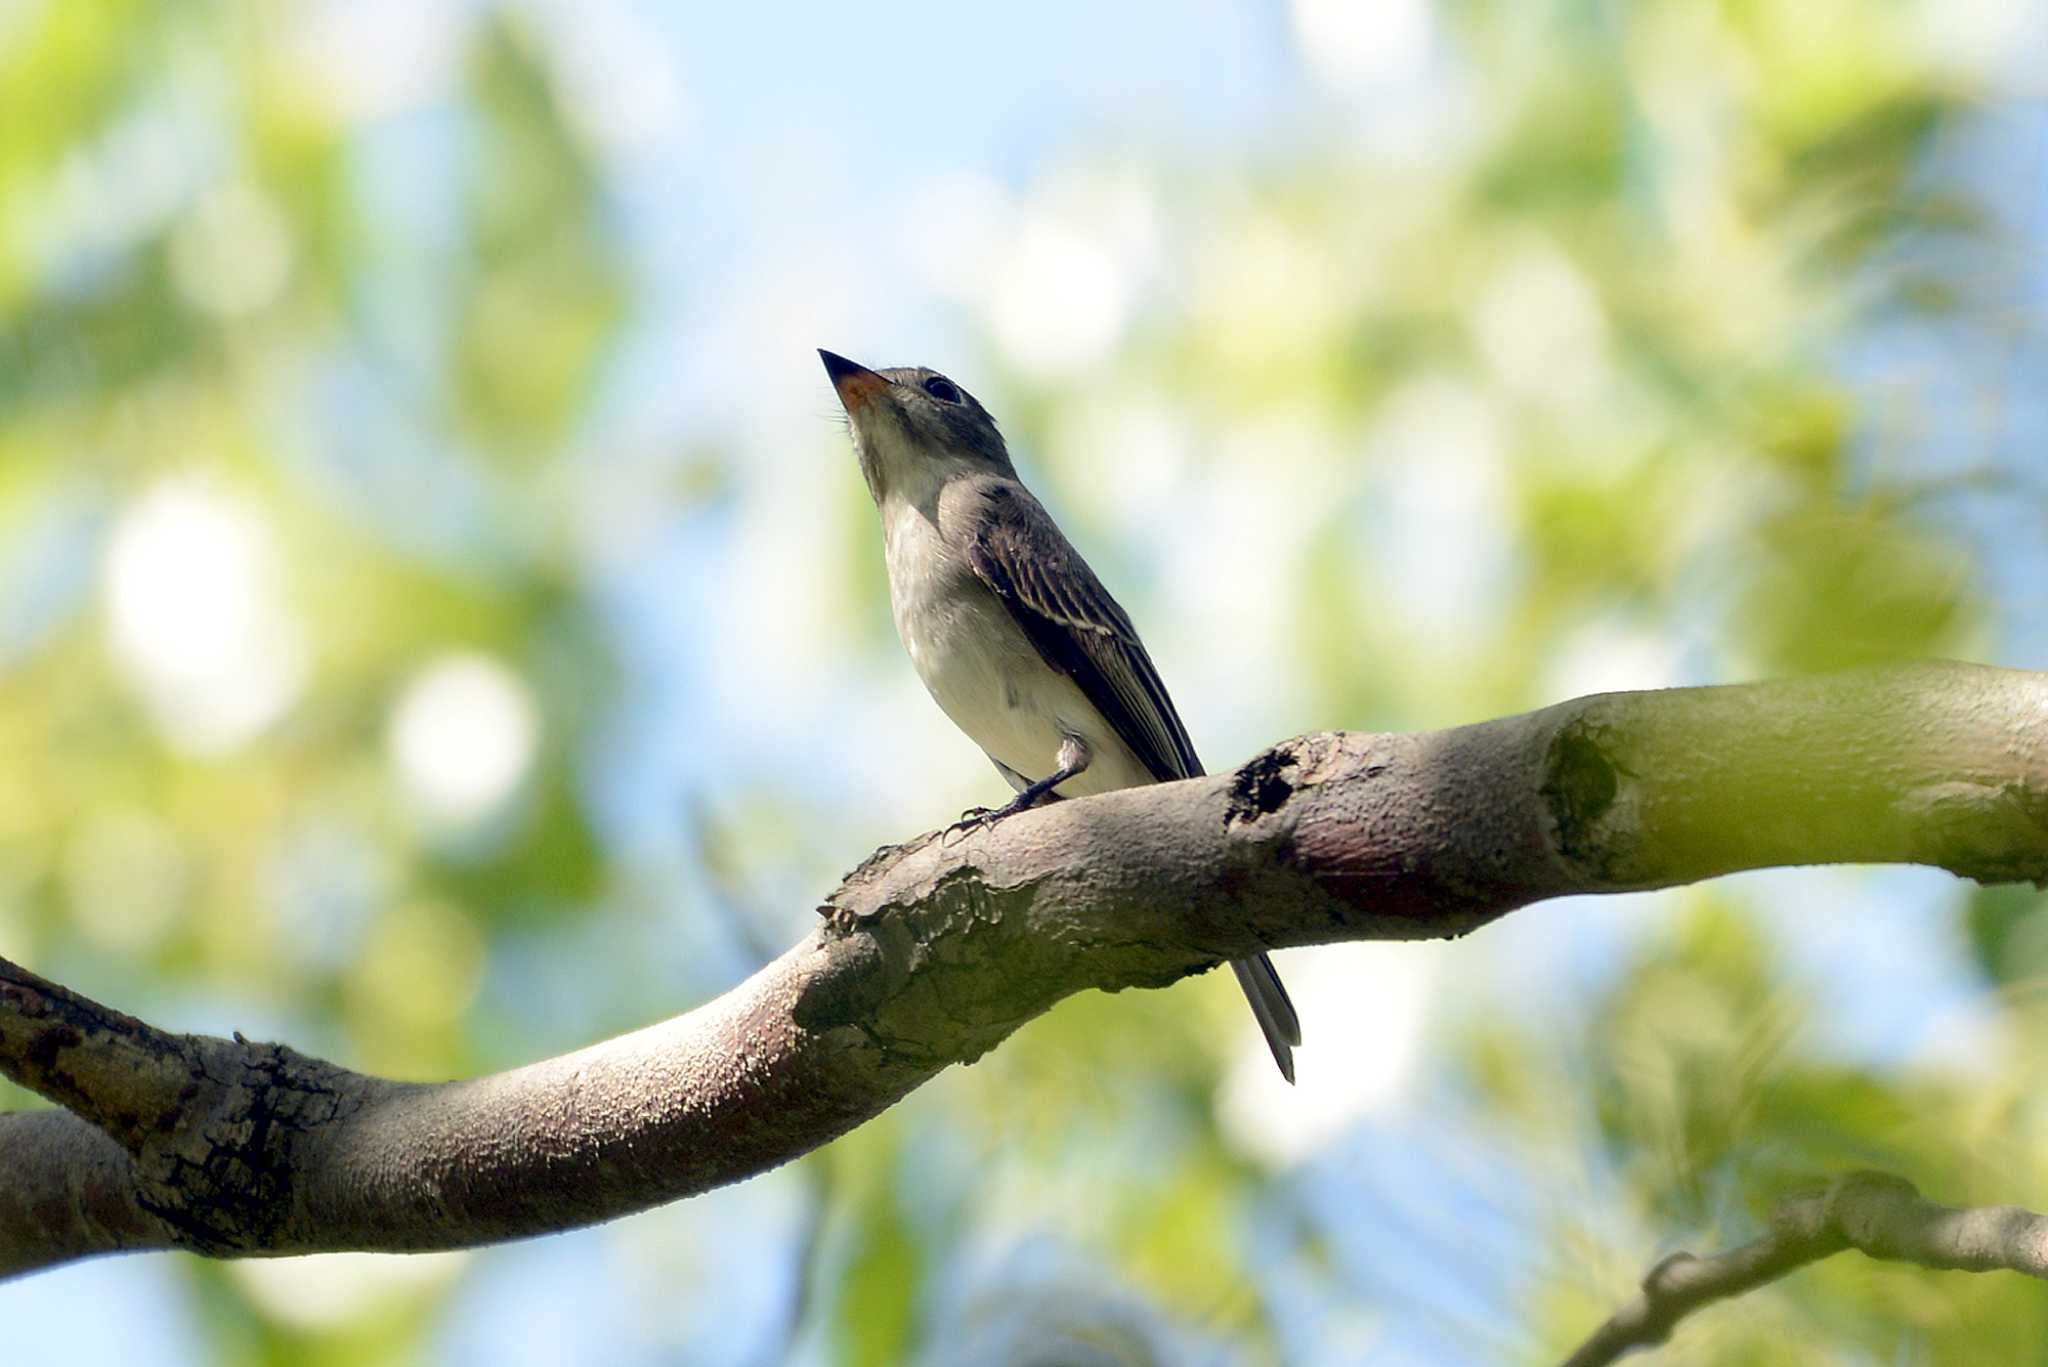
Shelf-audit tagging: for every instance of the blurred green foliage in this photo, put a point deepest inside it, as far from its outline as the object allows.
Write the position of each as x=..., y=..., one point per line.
x=1710, y=1105
x=1592, y=326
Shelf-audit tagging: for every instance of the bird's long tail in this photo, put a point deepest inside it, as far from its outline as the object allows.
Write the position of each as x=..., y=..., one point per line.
x=1277, y=1021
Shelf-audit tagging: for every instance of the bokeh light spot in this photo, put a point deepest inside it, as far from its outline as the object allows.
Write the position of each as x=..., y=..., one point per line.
x=461, y=738
x=195, y=619
x=1060, y=303
x=330, y=1291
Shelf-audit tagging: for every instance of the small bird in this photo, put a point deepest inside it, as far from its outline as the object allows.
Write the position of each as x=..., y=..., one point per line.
x=1012, y=633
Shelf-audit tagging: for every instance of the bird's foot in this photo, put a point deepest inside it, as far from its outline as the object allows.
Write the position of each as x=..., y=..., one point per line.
x=976, y=819
x=981, y=818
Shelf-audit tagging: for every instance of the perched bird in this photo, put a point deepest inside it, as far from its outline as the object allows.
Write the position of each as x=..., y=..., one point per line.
x=1012, y=633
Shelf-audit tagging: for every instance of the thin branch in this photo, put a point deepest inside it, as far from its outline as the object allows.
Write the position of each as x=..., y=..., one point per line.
x=933, y=952
x=1876, y=1213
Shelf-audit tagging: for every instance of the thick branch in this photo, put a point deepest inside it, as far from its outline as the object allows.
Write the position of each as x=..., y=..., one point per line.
x=934, y=951
x=1881, y=1215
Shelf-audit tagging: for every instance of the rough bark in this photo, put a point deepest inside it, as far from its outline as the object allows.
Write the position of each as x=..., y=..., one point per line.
x=932, y=952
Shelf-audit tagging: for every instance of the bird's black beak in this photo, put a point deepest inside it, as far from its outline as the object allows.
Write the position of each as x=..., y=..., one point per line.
x=856, y=384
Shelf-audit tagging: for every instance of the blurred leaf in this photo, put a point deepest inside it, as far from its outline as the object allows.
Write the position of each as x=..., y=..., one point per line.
x=875, y=1303
x=2007, y=924
x=119, y=331
x=1568, y=148
x=543, y=294
x=1831, y=588
x=64, y=70
x=1805, y=433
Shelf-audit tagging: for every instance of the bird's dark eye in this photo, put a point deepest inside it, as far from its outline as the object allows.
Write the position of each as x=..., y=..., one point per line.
x=942, y=389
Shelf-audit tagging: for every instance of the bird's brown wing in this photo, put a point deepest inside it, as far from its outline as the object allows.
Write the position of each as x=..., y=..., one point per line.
x=1019, y=552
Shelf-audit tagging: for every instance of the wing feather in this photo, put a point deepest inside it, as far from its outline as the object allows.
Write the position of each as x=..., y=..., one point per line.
x=1019, y=552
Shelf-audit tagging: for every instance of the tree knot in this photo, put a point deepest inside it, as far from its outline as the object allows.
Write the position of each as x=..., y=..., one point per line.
x=1580, y=784
x=1261, y=786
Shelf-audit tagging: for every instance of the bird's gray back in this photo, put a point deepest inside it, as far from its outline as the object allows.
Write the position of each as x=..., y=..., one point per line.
x=1077, y=627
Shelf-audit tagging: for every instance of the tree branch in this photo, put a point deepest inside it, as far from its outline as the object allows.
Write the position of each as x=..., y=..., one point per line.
x=1876, y=1213
x=933, y=952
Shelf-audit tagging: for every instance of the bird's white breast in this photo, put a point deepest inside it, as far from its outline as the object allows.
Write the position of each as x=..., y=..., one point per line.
x=983, y=671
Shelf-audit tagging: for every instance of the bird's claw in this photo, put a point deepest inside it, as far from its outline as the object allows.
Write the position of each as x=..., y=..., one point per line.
x=979, y=818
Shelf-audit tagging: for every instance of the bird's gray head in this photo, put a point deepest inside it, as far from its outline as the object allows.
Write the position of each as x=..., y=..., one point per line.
x=914, y=429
